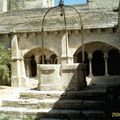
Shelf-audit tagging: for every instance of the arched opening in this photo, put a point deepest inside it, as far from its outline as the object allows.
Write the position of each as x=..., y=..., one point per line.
x=53, y=59
x=114, y=62
x=30, y=66
x=98, y=63
x=78, y=59
x=34, y=57
x=45, y=60
x=33, y=66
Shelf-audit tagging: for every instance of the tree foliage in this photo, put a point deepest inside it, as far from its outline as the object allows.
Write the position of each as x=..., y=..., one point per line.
x=5, y=56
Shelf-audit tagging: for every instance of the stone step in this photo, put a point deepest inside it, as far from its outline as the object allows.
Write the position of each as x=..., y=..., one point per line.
x=92, y=93
x=13, y=113
x=87, y=95
x=51, y=119
x=55, y=104
x=41, y=94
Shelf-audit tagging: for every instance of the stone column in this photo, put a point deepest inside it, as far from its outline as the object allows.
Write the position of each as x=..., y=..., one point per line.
x=48, y=60
x=23, y=77
x=106, y=64
x=27, y=67
x=37, y=59
x=90, y=65
x=64, y=43
x=59, y=59
x=18, y=76
x=15, y=65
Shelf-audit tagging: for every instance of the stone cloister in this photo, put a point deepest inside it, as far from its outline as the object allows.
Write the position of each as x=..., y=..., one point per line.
x=101, y=57
x=21, y=31
x=61, y=69
x=105, y=56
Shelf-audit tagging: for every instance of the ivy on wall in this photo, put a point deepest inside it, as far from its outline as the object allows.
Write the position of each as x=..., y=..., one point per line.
x=5, y=56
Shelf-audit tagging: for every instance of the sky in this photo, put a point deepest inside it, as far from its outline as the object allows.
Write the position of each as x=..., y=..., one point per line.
x=71, y=2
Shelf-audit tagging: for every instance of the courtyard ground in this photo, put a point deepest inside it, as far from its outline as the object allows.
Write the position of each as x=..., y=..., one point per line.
x=8, y=92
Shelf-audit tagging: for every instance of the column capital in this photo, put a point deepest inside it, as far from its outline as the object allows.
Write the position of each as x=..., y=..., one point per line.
x=37, y=59
x=105, y=56
x=90, y=56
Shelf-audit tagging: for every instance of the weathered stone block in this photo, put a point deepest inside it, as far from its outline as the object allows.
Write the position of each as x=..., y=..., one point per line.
x=61, y=77
x=49, y=77
x=73, y=76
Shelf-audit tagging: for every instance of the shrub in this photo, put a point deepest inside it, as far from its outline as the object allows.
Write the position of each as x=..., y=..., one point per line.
x=5, y=56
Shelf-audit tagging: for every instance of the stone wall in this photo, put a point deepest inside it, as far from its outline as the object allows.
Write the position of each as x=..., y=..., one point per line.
x=15, y=5
x=105, y=4
x=31, y=20
x=54, y=41
x=25, y=4
x=33, y=40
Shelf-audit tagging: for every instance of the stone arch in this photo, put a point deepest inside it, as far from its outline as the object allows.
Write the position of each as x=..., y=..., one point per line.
x=114, y=43
x=98, y=63
x=30, y=66
x=53, y=59
x=40, y=59
x=114, y=62
x=34, y=57
x=90, y=48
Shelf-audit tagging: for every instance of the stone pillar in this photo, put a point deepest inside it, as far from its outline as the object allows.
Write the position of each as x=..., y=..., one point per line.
x=37, y=59
x=4, y=5
x=27, y=67
x=106, y=64
x=18, y=76
x=59, y=59
x=15, y=67
x=64, y=43
x=23, y=77
x=48, y=60
x=90, y=65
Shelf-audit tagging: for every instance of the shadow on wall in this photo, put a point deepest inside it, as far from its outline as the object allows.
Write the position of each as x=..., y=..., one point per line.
x=74, y=103
x=62, y=108
x=79, y=102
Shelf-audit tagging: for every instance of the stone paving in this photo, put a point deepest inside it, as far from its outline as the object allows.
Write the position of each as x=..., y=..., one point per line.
x=8, y=92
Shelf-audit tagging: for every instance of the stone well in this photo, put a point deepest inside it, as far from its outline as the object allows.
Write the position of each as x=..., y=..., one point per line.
x=61, y=77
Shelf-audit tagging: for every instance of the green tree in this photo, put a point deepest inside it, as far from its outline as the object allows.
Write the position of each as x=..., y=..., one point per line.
x=5, y=56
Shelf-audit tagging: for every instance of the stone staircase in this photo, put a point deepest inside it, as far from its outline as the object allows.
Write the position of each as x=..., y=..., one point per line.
x=92, y=103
